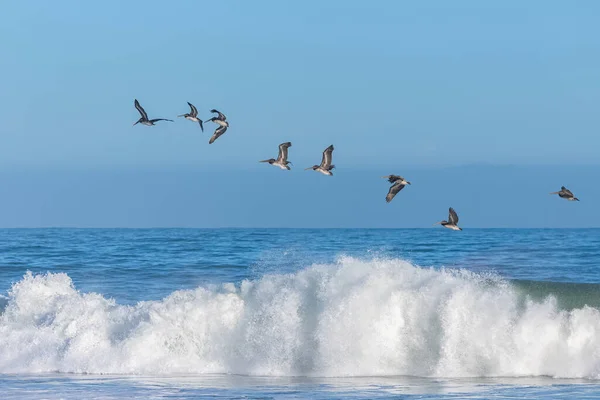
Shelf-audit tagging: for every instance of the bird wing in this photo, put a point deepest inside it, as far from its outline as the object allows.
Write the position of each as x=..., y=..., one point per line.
x=220, y=115
x=201, y=126
x=452, y=216
x=567, y=192
x=140, y=109
x=193, y=110
x=393, y=178
x=160, y=119
x=394, y=189
x=326, y=161
x=218, y=132
x=283, y=151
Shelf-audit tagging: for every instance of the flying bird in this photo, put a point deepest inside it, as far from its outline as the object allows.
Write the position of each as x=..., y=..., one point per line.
x=398, y=184
x=144, y=119
x=452, y=222
x=220, y=120
x=193, y=115
x=326, y=166
x=281, y=160
x=566, y=194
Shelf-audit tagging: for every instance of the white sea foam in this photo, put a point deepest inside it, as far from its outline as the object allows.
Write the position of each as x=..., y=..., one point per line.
x=353, y=318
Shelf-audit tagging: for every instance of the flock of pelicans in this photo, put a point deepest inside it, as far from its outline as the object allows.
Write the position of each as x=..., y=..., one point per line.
x=398, y=182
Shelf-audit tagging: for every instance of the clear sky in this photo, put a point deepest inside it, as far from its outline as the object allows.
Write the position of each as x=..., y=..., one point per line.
x=432, y=88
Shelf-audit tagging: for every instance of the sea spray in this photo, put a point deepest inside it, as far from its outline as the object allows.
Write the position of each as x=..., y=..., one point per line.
x=351, y=318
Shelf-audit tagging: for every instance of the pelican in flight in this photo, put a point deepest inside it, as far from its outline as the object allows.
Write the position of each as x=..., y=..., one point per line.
x=452, y=222
x=220, y=120
x=282, y=161
x=566, y=194
x=144, y=119
x=398, y=184
x=326, y=166
x=193, y=115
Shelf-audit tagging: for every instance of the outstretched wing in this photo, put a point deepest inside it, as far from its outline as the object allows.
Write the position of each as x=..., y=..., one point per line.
x=218, y=132
x=160, y=119
x=326, y=161
x=140, y=109
x=201, y=126
x=193, y=110
x=283, y=151
x=393, y=178
x=220, y=115
x=394, y=189
x=567, y=191
x=452, y=216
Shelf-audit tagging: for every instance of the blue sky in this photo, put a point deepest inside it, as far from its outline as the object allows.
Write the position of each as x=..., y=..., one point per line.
x=397, y=87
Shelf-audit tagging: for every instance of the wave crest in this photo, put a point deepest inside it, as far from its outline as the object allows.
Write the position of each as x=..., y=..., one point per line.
x=352, y=318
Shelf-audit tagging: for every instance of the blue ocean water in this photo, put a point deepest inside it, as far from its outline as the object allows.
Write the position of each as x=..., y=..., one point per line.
x=299, y=313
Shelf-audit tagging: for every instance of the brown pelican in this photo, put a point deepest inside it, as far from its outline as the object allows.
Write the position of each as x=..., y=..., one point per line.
x=398, y=184
x=220, y=120
x=566, y=194
x=326, y=166
x=281, y=161
x=193, y=115
x=452, y=222
x=144, y=119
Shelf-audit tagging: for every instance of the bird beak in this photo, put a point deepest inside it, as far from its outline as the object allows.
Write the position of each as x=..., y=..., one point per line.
x=181, y=115
x=408, y=182
x=555, y=193
x=306, y=169
x=264, y=161
x=135, y=123
x=437, y=223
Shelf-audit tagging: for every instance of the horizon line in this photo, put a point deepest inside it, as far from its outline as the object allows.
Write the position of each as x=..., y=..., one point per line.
x=270, y=228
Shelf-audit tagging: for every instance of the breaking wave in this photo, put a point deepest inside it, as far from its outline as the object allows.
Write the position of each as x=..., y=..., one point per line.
x=351, y=318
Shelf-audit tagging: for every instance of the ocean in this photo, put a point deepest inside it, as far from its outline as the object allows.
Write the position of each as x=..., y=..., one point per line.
x=299, y=313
